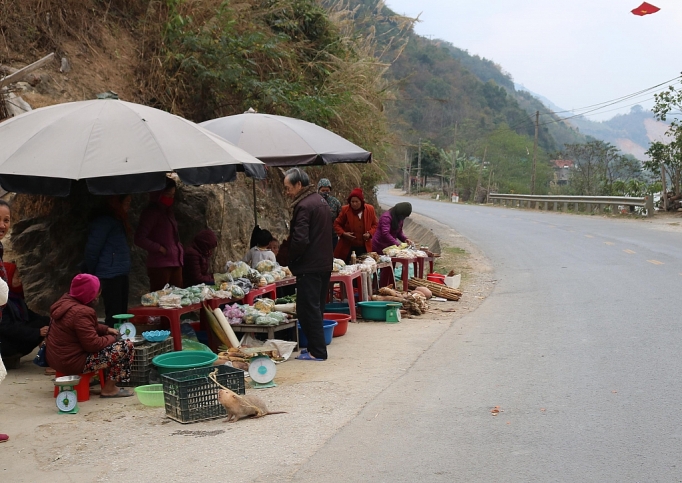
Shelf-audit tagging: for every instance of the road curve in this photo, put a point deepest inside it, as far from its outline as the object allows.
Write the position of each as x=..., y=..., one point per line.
x=578, y=347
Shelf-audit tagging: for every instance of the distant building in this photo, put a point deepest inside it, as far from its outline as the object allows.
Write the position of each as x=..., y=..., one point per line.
x=562, y=170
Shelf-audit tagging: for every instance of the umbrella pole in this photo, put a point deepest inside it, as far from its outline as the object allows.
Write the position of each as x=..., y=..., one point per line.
x=255, y=212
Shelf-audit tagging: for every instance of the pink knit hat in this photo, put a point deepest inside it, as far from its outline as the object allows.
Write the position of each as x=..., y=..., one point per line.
x=84, y=288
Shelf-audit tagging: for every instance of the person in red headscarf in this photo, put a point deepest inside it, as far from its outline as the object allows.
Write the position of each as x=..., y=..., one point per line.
x=197, y=268
x=355, y=227
x=78, y=344
x=158, y=233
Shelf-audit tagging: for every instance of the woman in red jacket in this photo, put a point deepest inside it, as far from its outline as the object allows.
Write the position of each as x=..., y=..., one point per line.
x=355, y=227
x=78, y=344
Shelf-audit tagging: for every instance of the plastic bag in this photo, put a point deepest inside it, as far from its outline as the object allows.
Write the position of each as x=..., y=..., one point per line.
x=150, y=299
x=266, y=266
x=266, y=320
x=170, y=301
x=238, y=269
x=264, y=305
x=237, y=292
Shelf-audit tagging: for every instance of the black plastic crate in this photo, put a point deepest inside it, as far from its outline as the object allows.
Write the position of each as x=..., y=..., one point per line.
x=142, y=362
x=190, y=396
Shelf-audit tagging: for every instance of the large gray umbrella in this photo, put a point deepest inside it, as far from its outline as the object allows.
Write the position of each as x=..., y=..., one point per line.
x=117, y=147
x=284, y=141
x=281, y=141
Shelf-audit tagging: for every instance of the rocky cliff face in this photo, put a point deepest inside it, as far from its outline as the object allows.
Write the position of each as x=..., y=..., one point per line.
x=49, y=234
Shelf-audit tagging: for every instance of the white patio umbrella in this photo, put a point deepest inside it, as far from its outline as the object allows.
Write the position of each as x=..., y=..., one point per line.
x=281, y=141
x=117, y=147
x=285, y=141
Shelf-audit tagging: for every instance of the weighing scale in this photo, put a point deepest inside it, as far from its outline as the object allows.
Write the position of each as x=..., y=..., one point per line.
x=393, y=313
x=67, y=399
x=126, y=329
x=262, y=371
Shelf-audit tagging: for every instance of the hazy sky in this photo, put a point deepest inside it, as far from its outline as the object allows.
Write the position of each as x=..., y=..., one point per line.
x=576, y=53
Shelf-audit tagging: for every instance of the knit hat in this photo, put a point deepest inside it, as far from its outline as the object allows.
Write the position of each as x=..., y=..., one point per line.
x=403, y=210
x=324, y=183
x=84, y=288
x=357, y=193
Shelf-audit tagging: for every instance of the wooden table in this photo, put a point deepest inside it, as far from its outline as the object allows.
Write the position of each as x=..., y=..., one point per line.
x=173, y=316
x=267, y=329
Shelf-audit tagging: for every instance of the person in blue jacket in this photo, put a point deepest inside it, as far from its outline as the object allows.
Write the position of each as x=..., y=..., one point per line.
x=107, y=254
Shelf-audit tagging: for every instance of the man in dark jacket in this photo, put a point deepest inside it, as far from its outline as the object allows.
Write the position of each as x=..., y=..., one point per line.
x=310, y=258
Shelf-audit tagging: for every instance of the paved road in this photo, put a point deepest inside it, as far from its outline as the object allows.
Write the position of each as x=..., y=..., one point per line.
x=579, y=345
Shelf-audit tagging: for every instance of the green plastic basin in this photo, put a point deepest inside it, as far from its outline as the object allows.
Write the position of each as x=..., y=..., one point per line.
x=151, y=395
x=376, y=310
x=183, y=360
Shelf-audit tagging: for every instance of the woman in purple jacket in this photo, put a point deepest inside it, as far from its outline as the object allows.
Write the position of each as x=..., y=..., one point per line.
x=157, y=233
x=390, y=228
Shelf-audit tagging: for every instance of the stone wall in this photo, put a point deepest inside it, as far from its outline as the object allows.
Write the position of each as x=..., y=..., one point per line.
x=49, y=234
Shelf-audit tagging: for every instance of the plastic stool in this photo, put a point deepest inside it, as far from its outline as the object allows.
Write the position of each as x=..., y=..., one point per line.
x=269, y=291
x=83, y=387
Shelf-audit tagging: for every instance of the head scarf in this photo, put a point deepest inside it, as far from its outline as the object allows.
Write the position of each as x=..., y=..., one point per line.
x=398, y=213
x=357, y=193
x=324, y=183
x=205, y=241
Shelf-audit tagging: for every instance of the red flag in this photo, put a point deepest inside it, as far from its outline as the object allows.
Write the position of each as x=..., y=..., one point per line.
x=645, y=9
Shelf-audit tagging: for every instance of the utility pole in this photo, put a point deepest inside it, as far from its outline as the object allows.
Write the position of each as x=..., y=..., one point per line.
x=407, y=178
x=453, y=173
x=480, y=174
x=487, y=193
x=419, y=165
x=535, y=150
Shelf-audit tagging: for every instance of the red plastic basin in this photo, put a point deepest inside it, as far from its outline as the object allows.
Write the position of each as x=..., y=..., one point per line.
x=341, y=319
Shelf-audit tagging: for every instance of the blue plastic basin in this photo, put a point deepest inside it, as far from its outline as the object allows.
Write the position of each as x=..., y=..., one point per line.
x=327, y=325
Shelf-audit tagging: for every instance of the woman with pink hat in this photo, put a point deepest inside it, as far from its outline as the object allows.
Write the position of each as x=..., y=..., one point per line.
x=77, y=343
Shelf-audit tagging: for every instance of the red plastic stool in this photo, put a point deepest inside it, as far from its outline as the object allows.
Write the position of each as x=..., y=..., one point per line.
x=269, y=291
x=83, y=387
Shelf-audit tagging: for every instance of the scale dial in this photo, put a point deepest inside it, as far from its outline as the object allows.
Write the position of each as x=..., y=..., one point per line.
x=127, y=331
x=262, y=370
x=66, y=401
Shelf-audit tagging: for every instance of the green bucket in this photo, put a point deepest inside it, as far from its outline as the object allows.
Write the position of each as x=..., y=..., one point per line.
x=376, y=310
x=183, y=360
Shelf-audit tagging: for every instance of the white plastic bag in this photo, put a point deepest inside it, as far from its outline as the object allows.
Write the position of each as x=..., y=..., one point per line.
x=3, y=371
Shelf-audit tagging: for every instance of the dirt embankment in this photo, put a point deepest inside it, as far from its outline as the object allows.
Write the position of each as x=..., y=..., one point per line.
x=120, y=440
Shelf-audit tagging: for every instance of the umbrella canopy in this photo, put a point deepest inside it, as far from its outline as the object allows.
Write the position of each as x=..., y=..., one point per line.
x=284, y=141
x=117, y=147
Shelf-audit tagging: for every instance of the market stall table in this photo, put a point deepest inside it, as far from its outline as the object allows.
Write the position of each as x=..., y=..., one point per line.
x=376, y=276
x=406, y=264
x=422, y=261
x=269, y=290
x=173, y=316
x=267, y=329
x=347, y=282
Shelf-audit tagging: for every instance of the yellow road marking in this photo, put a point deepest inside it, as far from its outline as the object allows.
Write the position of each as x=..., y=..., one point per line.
x=609, y=243
x=629, y=251
x=655, y=262
x=589, y=236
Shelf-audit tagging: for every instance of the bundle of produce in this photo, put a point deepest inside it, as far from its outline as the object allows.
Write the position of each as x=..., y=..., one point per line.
x=437, y=289
x=266, y=266
x=286, y=299
x=170, y=301
x=338, y=264
x=150, y=299
x=414, y=303
x=234, y=313
x=349, y=269
x=238, y=269
x=244, y=283
x=264, y=305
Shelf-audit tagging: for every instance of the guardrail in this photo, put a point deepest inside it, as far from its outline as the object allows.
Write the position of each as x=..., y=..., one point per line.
x=590, y=202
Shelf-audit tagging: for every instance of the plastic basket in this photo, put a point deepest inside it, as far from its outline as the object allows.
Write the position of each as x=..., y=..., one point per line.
x=150, y=395
x=142, y=361
x=190, y=395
